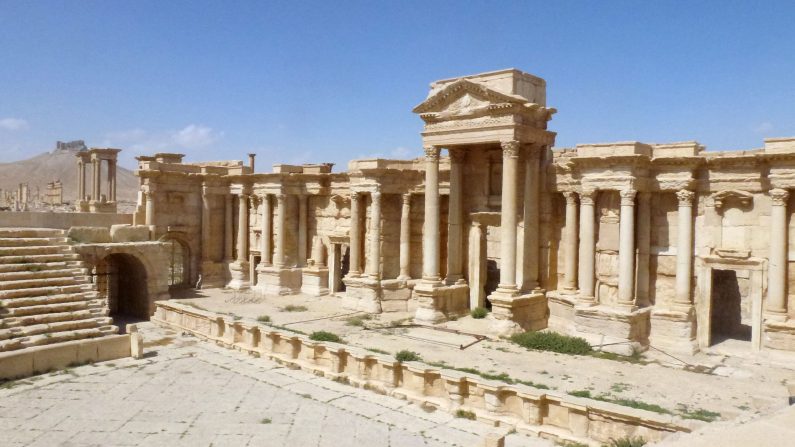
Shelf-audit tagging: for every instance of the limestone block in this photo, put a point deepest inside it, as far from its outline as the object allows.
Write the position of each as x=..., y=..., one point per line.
x=16, y=364
x=89, y=235
x=114, y=347
x=129, y=233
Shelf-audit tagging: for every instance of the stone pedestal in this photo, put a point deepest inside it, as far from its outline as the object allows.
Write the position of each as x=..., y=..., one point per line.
x=214, y=274
x=238, y=275
x=362, y=293
x=96, y=206
x=315, y=281
x=515, y=313
x=618, y=329
x=436, y=303
x=673, y=330
x=275, y=280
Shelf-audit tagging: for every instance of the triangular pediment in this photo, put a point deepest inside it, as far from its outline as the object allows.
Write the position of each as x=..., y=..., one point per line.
x=463, y=95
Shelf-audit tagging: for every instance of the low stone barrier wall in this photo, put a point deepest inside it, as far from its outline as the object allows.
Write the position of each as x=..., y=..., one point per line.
x=545, y=413
x=40, y=359
x=61, y=221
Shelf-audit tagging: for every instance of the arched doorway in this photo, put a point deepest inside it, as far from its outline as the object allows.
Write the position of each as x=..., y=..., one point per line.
x=178, y=263
x=121, y=279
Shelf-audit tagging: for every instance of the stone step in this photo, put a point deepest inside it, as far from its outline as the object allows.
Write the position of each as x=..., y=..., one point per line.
x=56, y=317
x=39, y=273
x=51, y=308
x=48, y=299
x=41, y=258
x=32, y=241
x=45, y=291
x=37, y=250
x=31, y=232
x=50, y=337
x=57, y=326
x=44, y=282
x=31, y=267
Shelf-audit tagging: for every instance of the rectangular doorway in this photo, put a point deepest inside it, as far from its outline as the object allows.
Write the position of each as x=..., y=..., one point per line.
x=730, y=316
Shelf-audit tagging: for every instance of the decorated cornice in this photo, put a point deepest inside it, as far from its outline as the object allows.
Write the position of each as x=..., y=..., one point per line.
x=743, y=198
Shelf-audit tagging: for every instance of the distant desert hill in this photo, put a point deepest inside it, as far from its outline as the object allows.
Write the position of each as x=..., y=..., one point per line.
x=61, y=164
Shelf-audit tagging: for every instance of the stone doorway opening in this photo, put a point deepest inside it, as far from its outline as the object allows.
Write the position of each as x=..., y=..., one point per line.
x=178, y=272
x=730, y=318
x=339, y=265
x=121, y=280
x=492, y=279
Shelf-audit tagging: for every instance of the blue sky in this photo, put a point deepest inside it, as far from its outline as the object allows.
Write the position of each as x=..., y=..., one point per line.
x=330, y=81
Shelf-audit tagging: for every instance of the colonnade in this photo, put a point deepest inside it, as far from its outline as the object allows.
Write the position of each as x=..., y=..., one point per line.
x=96, y=178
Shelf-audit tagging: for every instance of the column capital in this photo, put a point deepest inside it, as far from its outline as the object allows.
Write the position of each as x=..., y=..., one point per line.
x=456, y=155
x=685, y=197
x=354, y=196
x=510, y=149
x=375, y=195
x=628, y=197
x=571, y=197
x=779, y=196
x=588, y=196
x=280, y=197
x=406, y=198
x=432, y=153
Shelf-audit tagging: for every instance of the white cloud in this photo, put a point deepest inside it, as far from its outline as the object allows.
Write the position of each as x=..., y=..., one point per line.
x=13, y=124
x=764, y=127
x=401, y=152
x=193, y=136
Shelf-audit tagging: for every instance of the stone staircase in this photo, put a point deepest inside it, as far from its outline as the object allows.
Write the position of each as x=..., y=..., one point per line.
x=45, y=295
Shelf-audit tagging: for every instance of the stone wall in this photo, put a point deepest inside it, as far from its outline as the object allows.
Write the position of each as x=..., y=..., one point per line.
x=61, y=221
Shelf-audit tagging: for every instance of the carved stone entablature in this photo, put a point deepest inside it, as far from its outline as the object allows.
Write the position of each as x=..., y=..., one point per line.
x=340, y=201
x=738, y=198
x=613, y=182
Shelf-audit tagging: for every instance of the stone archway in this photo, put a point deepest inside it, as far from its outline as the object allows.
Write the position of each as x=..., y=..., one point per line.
x=121, y=279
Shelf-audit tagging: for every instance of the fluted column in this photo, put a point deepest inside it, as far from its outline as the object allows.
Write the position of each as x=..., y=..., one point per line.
x=626, y=249
x=374, y=259
x=570, y=251
x=587, y=245
x=265, y=225
x=150, y=208
x=530, y=263
x=95, y=187
x=777, y=262
x=281, y=217
x=302, y=230
x=684, y=247
x=242, y=228
x=405, y=238
x=355, y=235
x=454, y=217
x=206, y=235
x=228, y=228
x=430, y=233
x=111, y=180
x=508, y=220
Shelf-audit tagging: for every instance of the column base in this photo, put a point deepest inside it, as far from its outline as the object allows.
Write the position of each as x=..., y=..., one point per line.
x=238, y=276
x=437, y=303
x=273, y=280
x=778, y=334
x=214, y=274
x=95, y=206
x=314, y=281
x=561, y=311
x=513, y=312
x=362, y=293
x=673, y=330
x=618, y=330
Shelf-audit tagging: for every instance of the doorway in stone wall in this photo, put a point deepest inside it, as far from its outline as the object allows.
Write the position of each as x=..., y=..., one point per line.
x=730, y=308
x=121, y=280
x=492, y=279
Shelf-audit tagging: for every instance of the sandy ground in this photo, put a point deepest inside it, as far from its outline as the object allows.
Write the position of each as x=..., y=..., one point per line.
x=735, y=386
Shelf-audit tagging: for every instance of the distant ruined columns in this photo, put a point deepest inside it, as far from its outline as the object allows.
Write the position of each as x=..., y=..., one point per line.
x=95, y=200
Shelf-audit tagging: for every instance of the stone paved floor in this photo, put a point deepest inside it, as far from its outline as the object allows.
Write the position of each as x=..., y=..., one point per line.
x=192, y=393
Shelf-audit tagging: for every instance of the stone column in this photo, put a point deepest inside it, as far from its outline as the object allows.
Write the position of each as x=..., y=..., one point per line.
x=777, y=262
x=281, y=215
x=95, y=186
x=587, y=245
x=302, y=230
x=374, y=260
x=531, y=218
x=510, y=164
x=206, y=234
x=150, y=208
x=570, y=251
x=454, y=230
x=265, y=235
x=242, y=228
x=430, y=231
x=644, y=249
x=111, y=180
x=81, y=180
x=684, y=247
x=626, y=249
x=228, y=229
x=405, y=238
x=355, y=236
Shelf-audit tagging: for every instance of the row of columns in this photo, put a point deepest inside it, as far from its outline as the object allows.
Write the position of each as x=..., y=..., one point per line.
x=580, y=247
x=96, y=180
